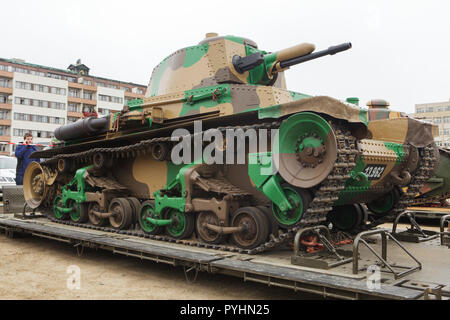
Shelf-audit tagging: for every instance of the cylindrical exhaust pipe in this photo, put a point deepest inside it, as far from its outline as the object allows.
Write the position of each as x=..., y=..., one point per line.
x=82, y=128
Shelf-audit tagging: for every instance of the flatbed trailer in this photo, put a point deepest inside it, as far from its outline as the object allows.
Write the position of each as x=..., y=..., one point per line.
x=429, y=212
x=272, y=268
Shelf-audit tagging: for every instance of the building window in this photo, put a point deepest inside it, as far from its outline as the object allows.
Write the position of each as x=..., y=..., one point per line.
x=437, y=120
x=5, y=83
x=73, y=107
x=40, y=103
x=40, y=88
x=4, y=131
x=3, y=67
x=74, y=93
x=88, y=95
x=4, y=115
x=3, y=99
x=35, y=133
x=72, y=119
x=21, y=70
x=38, y=118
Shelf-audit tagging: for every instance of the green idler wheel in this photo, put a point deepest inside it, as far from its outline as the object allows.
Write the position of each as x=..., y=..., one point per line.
x=148, y=212
x=79, y=212
x=57, y=202
x=304, y=149
x=384, y=204
x=299, y=200
x=182, y=224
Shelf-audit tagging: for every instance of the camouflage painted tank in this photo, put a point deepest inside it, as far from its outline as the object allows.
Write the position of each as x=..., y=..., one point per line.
x=436, y=191
x=317, y=158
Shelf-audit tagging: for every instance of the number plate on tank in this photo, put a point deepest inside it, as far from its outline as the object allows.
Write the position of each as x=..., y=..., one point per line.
x=374, y=171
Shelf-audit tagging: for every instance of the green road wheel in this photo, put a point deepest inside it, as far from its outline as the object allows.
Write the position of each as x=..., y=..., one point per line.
x=385, y=204
x=79, y=211
x=299, y=199
x=183, y=223
x=58, y=203
x=148, y=211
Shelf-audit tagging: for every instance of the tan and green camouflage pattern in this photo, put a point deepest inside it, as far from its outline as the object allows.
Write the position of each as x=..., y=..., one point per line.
x=201, y=83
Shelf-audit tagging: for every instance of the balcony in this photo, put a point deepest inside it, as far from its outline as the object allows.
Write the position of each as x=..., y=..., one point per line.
x=4, y=138
x=6, y=74
x=6, y=90
x=133, y=95
x=81, y=100
x=6, y=106
x=5, y=122
x=74, y=114
x=82, y=86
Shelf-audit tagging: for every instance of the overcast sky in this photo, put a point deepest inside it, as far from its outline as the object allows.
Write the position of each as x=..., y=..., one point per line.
x=400, y=51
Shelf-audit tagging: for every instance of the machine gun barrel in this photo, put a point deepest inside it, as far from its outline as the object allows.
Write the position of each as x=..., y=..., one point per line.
x=330, y=51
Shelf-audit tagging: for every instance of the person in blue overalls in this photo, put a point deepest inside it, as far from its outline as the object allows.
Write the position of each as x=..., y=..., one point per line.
x=22, y=153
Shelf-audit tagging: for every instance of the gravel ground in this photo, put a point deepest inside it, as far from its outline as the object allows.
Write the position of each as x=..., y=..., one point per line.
x=35, y=268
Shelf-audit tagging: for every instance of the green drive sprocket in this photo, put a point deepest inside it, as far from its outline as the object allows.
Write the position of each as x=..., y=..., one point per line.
x=305, y=149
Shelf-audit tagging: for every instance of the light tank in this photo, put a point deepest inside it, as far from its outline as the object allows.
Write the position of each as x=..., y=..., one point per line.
x=322, y=160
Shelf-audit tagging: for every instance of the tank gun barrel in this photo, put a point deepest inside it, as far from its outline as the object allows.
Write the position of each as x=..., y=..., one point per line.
x=278, y=61
x=330, y=51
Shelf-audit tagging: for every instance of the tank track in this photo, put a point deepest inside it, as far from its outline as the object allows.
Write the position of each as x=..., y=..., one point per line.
x=327, y=192
x=427, y=200
x=426, y=167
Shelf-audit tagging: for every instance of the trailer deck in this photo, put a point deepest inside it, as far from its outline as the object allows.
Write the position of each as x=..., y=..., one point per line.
x=273, y=268
x=429, y=212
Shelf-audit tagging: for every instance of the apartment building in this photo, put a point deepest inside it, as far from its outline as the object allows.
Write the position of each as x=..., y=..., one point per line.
x=38, y=99
x=439, y=114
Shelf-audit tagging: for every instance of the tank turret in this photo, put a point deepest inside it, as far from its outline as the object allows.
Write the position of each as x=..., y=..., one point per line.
x=228, y=59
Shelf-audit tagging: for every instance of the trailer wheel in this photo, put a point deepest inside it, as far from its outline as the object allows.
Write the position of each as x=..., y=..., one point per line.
x=148, y=211
x=122, y=213
x=183, y=224
x=205, y=234
x=255, y=227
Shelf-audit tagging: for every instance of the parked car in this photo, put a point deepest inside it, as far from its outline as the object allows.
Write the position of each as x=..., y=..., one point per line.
x=7, y=172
